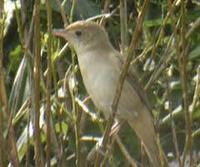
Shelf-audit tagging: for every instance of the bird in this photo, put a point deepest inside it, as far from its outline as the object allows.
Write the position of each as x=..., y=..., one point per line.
x=100, y=65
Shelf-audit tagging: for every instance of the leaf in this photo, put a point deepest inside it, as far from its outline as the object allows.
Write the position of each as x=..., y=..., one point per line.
x=195, y=53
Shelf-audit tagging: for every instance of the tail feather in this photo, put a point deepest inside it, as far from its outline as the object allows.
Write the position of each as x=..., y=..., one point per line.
x=144, y=128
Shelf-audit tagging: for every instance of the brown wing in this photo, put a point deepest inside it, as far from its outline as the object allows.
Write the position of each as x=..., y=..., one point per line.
x=134, y=82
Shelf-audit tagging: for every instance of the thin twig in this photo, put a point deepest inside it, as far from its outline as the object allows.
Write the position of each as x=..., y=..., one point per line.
x=183, y=60
x=164, y=61
x=3, y=96
x=123, y=25
x=28, y=140
x=36, y=72
x=74, y=2
x=132, y=162
x=166, y=56
x=62, y=12
x=49, y=82
x=173, y=126
x=194, y=26
x=2, y=148
x=106, y=6
x=76, y=115
x=160, y=37
x=196, y=92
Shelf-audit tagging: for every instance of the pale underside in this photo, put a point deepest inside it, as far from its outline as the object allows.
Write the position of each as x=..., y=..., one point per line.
x=102, y=86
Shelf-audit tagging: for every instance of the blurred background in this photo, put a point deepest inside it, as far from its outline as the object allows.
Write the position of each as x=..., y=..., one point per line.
x=46, y=115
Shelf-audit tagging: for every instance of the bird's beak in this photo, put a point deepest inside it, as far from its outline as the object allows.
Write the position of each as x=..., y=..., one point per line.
x=60, y=32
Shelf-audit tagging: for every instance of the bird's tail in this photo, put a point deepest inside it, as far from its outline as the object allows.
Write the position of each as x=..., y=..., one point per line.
x=144, y=128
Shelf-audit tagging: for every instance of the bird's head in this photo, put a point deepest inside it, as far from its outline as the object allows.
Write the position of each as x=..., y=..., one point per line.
x=83, y=35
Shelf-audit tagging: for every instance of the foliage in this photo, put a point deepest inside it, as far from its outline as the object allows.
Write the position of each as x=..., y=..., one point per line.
x=167, y=61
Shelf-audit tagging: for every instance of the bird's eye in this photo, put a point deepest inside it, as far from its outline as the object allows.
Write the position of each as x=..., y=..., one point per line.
x=78, y=33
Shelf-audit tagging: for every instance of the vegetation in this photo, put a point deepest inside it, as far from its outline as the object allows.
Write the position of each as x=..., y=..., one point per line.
x=46, y=116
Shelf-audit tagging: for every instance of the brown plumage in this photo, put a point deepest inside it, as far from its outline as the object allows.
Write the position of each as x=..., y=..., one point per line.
x=100, y=66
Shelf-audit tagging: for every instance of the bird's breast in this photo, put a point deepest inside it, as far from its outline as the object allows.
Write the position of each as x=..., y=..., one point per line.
x=100, y=74
x=100, y=78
